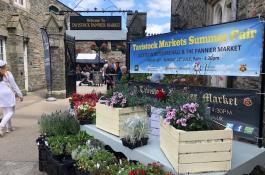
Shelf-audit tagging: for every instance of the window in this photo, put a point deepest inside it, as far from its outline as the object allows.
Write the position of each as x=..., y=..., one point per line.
x=21, y=3
x=53, y=9
x=2, y=49
x=218, y=15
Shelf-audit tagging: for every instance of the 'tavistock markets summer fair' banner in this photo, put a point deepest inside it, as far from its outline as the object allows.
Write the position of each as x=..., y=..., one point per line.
x=231, y=49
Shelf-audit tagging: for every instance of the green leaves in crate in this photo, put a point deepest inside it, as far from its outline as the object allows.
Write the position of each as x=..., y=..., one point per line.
x=58, y=123
x=65, y=144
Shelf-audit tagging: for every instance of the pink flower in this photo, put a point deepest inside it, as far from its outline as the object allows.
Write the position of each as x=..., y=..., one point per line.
x=182, y=122
x=193, y=107
x=185, y=108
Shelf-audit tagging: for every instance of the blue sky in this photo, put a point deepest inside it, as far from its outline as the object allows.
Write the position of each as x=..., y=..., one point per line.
x=158, y=11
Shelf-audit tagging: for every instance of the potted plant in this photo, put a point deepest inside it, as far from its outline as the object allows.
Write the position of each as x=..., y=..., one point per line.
x=86, y=114
x=58, y=123
x=135, y=132
x=98, y=164
x=117, y=108
x=140, y=169
x=190, y=141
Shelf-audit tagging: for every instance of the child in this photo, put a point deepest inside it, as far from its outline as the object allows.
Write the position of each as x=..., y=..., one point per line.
x=8, y=92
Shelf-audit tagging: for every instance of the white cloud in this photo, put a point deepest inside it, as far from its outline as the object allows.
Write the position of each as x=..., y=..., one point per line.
x=159, y=8
x=156, y=28
x=124, y=4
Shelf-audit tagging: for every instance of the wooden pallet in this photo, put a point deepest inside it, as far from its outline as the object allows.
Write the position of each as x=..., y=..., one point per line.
x=197, y=151
x=110, y=119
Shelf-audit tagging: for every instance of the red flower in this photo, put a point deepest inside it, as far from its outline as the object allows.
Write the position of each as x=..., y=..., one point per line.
x=160, y=95
x=132, y=172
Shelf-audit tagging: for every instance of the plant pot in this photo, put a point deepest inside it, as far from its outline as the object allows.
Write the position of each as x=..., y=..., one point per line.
x=138, y=143
x=63, y=167
x=196, y=151
x=110, y=119
x=85, y=121
x=43, y=157
x=77, y=172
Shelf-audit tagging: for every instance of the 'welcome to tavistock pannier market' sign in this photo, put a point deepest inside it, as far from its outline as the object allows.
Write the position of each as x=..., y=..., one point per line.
x=232, y=49
x=95, y=22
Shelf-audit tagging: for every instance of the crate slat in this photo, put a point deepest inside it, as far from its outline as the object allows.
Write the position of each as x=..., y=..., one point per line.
x=204, y=157
x=110, y=119
x=205, y=147
x=195, y=153
x=205, y=167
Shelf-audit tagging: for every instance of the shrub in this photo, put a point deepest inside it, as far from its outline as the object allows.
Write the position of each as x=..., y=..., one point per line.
x=58, y=123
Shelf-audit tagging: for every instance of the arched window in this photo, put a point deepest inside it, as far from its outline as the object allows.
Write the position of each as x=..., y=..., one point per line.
x=218, y=14
x=53, y=9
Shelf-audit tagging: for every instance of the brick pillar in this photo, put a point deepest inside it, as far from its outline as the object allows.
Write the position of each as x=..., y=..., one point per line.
x=15, y=49
x=55, y=27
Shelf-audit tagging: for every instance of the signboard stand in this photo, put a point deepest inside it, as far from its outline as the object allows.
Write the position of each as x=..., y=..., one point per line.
x=262, y=90
x=47, y=61
x=191, y=51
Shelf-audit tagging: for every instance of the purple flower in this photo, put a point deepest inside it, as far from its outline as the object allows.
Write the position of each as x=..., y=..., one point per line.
x=120, y=95
x=124, y=101
x=185, y=108
x=182, y=122
x=166, y=121
x=193, y=107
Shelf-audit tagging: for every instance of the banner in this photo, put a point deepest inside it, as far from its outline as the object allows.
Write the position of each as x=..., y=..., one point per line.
x=234, y=108
x=47, y=58
x=231, y=49
x=95, y=22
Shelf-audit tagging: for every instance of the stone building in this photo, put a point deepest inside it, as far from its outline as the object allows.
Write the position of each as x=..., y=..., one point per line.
x=110, y=45
x=21, y=42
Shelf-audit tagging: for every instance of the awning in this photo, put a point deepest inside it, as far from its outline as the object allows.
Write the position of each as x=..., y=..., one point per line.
x=89, y=58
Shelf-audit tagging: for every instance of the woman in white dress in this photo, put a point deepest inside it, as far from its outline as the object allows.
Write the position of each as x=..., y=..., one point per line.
x=8, y=92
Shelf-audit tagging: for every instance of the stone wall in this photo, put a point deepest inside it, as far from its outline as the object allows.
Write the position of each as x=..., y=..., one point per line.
x=32, y=18
x=187, y=14
x=248, y=9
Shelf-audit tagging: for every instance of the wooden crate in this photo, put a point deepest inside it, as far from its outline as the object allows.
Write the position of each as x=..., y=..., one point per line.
x=197, y=151
x=110, y=119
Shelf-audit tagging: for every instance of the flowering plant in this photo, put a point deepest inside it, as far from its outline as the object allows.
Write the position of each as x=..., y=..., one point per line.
x=78, y=99
x=117, y=100
x=186, y=117
x=85, y=112
x=160, y=94
x=140, y=169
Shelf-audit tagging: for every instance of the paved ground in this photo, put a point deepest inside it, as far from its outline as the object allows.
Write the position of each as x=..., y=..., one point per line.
x=18, y=150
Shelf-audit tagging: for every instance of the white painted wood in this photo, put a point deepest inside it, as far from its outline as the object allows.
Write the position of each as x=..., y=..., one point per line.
x=196, y=151
x=110, y=119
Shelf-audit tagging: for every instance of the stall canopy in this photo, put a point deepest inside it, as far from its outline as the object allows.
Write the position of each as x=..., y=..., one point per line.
x=89, y=58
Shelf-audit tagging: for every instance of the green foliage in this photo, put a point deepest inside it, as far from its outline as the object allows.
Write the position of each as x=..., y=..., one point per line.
x=65, y=144
x=100, y=164
x=58, y=123
x=88, y=150
x=139, y=169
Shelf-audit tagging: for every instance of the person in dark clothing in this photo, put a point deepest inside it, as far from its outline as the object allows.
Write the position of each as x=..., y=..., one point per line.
x=118, y=71
x=109, y=76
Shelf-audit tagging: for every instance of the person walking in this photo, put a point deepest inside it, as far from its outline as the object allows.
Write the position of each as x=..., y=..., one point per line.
x=8, y=93
x=110, y=72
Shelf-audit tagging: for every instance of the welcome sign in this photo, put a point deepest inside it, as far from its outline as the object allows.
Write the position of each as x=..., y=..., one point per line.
x=95, y=22
x=231, y=49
